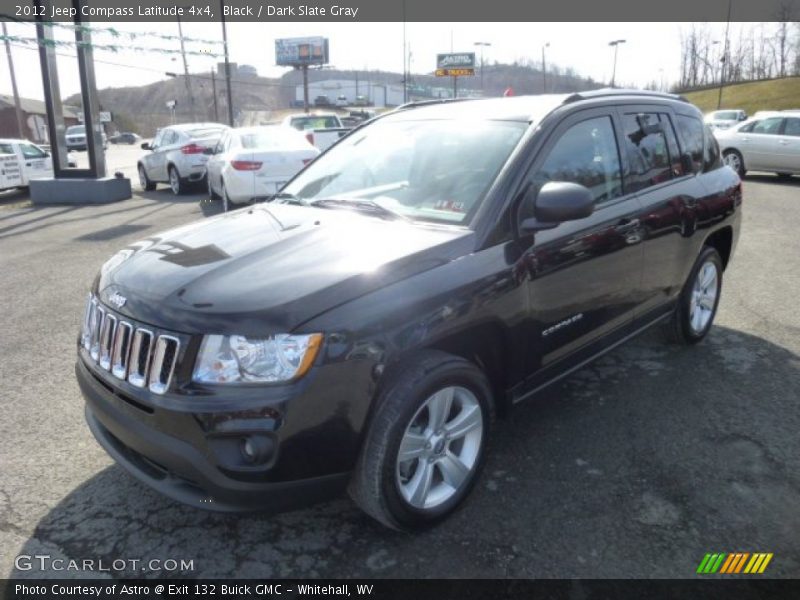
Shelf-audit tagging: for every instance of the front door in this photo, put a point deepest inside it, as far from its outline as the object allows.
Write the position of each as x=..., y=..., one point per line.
x=583, y=276
x=787, y=158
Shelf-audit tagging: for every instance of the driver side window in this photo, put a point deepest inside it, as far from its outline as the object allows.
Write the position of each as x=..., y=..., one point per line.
x=587, y=154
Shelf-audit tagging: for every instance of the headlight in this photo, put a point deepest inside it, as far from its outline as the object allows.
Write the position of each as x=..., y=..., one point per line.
x=238, y=359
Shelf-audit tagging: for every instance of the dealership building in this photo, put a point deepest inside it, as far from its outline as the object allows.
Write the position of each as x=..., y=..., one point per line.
x=34, y=119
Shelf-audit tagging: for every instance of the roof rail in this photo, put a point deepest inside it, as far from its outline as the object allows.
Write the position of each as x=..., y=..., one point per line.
x=604, y=92
x=418, y=103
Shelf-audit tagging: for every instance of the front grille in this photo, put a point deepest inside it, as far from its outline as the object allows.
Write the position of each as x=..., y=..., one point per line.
x=130, y=352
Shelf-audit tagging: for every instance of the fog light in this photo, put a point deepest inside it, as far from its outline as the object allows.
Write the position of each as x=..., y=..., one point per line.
x=256, y=449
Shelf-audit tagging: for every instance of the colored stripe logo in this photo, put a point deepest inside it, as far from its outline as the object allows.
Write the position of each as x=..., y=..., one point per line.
x=734, y=563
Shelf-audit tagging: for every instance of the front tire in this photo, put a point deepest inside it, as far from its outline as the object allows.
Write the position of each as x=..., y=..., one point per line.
x=426, y=443
x=144, y=180
x=697, y=304
x=733, y=158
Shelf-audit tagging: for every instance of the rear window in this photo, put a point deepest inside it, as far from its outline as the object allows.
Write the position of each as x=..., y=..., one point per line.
x=205, y=132
x=726, y=115
x=306, y=123
x=272, y=137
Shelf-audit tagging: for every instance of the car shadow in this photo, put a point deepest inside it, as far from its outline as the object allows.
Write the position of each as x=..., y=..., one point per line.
x=633, y=466
x=773, y=179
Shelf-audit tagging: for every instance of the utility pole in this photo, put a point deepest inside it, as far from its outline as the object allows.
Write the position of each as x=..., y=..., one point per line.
x=482, y=46
x=214, y=93
x=405, y=72
x=17, y=106
x=724, y=57
x=227, y=62
x=544, y=69
x=616, y=44
x=186, y=72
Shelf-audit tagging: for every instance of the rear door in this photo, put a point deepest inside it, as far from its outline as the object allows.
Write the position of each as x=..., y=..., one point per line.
x=151, y=159
x=583, y=276
x=787, y=159
x=668, y=194
x=762, y=146
x=10, y=172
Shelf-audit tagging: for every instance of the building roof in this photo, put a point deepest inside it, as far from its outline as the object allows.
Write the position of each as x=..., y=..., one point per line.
x=36, y=107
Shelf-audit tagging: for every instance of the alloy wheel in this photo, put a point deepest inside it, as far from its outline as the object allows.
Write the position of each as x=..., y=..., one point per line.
x=440, y=448
x=704, y=297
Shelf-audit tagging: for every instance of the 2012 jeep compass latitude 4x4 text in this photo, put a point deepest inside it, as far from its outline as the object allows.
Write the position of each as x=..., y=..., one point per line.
x=435, y=266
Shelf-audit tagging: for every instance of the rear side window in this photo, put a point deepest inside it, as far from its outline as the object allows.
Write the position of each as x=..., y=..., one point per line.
x=792, y=127
x=6, y=149
x=711, y=159
x=586, y=154
x=647, y=147
x=691, y=131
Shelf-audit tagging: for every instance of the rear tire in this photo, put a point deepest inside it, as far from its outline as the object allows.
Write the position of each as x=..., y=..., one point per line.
x=697, y=304
x=426, y=443
x=733, y=158
x=176, y=184
x=211, y=193
x=144, y=180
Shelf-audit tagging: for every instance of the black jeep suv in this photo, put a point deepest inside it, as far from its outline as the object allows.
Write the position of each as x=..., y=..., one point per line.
x=435, y=266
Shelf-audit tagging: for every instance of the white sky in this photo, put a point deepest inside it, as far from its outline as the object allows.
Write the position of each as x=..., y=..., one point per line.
x=651, y=51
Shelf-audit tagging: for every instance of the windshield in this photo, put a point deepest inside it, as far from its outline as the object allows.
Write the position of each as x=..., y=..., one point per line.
x=272, y=137
x=423, y=170
x=305, y=123
x=76, y=129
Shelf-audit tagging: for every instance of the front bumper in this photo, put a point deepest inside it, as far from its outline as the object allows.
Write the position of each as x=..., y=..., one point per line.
x=186, y=467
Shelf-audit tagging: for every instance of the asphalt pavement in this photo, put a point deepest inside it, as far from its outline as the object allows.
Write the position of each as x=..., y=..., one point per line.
x=635, y=466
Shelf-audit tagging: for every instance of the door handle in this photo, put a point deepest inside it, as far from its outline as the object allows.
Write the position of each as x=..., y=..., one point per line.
x=745, y=139
x=783, y=142
x=626, y=225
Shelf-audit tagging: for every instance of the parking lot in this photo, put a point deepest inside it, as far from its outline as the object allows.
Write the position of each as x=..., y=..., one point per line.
x=635, y=466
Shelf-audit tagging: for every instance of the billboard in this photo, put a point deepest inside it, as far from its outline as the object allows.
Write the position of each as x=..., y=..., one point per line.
x=297, y=52
x=455, y=64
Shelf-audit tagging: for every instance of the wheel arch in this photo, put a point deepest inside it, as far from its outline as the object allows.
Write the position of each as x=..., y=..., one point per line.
x=722, y=241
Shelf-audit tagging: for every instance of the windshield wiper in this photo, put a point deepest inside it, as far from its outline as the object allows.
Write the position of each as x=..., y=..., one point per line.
x=288, y=198
x=369, y=206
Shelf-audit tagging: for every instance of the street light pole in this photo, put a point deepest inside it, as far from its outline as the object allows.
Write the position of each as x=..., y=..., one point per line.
x=482, y=46
x=544, y=69
x=616, y=44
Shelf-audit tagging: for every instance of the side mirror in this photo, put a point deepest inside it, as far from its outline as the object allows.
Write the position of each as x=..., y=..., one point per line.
x=687, y=163
x=556, y=202
x=145, y=146
x=743, y=117
x=209, y=151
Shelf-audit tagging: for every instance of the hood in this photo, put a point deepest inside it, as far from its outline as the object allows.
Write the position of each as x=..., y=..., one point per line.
x=269, y=268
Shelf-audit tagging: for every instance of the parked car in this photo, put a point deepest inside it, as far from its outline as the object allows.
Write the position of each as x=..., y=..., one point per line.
x=723, y=119
x=76, y=138
x=125, y=138
x=769, y=142
x=322, y=100
x=21, y=161
x=435, y=267
x=254, y=163
x=321, y=129
x=361, y=101
x=177, y=156
x=341, y=100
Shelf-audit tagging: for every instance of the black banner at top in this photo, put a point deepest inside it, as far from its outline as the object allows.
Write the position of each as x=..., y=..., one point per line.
x=392, y=10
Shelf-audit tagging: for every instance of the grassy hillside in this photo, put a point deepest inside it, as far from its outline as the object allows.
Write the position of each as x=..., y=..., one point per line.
x=758, y=95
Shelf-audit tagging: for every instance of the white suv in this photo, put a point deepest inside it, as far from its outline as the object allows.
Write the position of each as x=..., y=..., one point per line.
x=177, y=156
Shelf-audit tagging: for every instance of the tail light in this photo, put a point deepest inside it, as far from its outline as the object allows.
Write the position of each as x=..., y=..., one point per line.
x=192, y=149
x=310, y=138
x=246, y=165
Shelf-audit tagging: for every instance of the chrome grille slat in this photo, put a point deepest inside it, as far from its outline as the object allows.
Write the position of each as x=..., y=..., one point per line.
x=164, y=358
x=107, y=340
x=120, y=354
x=99, y=317
x=141, y=350
x=131, y=353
